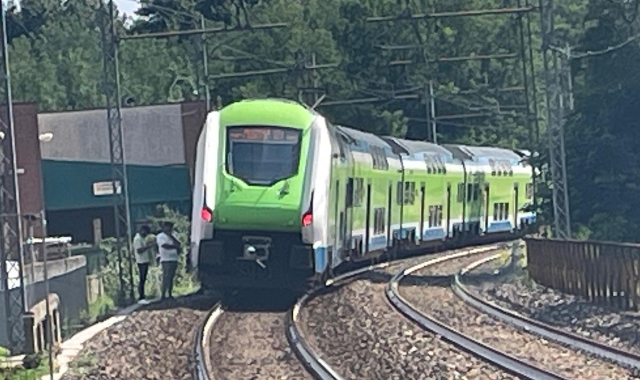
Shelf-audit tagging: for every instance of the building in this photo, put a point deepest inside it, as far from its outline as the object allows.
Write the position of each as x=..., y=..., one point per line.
x=159, y=146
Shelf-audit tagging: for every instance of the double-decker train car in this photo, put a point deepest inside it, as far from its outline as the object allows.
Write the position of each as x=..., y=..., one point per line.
x=282, y=196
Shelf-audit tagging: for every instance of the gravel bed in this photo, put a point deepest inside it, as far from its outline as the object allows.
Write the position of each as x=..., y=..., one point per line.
x=152, y=343
x=429, y=291
x=516, y=291
x=359, y=334
x=253, y=346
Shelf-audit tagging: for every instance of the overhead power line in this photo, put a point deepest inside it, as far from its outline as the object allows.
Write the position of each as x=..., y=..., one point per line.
x=471, y=13
x=192, y=32
x=568, y=52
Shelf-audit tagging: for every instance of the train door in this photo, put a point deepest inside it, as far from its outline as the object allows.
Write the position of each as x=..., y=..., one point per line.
x=486, y=202
x=337, y=220
x=515, y=206
x=448, y=210
x=423, y=195
x=389, y=214
x=367, y=218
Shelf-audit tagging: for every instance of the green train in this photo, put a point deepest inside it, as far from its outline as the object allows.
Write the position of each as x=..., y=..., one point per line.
x=282, y=196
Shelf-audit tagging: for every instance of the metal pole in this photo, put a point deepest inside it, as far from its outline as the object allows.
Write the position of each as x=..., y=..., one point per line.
x=11, y=234
x=314, y=74
x=43, y=221
x=525, y=79
x=427, y=111
x=205, y=64
x=432, y=101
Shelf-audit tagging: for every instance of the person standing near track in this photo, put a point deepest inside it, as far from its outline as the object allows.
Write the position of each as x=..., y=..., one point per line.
x=143, y=254
x=168, y=252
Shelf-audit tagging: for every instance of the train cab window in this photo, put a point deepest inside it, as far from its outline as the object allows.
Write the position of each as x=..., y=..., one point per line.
x=378, y=221
x=261, y=155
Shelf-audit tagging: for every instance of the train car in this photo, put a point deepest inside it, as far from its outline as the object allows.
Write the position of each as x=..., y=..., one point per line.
x=282, y=196
x=499, y=185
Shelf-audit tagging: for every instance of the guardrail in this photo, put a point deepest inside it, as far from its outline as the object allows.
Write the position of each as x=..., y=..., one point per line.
x=603, y=272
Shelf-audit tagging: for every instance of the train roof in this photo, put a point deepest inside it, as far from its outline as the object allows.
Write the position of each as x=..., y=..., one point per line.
x=483, y=154
x=362, y=140
x=417, y=149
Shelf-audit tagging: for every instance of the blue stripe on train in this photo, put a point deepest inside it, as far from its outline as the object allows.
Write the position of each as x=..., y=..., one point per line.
x=320, y=254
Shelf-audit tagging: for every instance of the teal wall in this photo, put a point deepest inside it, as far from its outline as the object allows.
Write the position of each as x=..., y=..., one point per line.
x=68, y=185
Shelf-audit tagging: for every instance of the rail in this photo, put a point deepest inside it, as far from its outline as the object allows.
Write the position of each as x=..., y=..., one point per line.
x=602, y=272
x=532, y=325
x=427, y=322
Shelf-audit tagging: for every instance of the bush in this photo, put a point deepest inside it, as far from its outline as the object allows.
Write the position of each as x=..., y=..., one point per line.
x=184, y=281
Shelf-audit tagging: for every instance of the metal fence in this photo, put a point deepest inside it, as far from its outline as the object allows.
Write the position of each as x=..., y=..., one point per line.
x=602, y=272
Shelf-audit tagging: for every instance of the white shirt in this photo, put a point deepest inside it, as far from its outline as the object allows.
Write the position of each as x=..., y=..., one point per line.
x=166, y=254
x=139, y=242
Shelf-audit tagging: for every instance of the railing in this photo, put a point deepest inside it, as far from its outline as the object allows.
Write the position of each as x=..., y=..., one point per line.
x=602, y=272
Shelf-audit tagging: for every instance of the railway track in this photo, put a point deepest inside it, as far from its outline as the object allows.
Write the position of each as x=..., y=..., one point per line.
x=545, y=330
x=307, y=357
x=476, y=327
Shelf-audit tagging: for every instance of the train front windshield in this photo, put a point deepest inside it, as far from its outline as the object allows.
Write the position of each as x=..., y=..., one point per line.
x=262, y=155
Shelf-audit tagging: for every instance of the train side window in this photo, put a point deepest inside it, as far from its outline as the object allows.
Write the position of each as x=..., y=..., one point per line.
x=399, y=193
x=378, y=221
x=476, y=191
x=342, y=227
x=409, y=193
x=349, y=193
x=506, y=211
x=495, y=211
x=460, y=192
x=435, y=216
x=358, y=192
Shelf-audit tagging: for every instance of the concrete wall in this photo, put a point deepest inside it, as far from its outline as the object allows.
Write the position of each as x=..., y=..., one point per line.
x=67, y=279
x=152, y=135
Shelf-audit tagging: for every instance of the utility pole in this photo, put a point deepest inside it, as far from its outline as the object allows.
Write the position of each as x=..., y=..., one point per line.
x=110, y=44
x=432, y=113
x=205, y=65
x=558, y=83
x=519, y=11
x=11, y=242
x=117, y=154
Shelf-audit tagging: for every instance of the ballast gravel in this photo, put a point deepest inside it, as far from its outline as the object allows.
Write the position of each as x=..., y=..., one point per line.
x=152, y=343
x=253, y=345
x=361, y=336
x=438, y=300
x=515, y=290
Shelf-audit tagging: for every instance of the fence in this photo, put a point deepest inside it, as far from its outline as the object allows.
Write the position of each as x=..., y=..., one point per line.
x=602, y=272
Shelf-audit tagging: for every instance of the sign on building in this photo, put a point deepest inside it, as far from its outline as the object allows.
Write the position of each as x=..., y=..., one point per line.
x=106, y=188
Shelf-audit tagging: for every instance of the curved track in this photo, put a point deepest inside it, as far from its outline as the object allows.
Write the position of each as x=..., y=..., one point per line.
x=547, y=331
x=312, y=362
x=430, y=323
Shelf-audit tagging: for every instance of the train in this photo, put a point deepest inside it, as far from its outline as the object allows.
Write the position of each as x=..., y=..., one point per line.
x=283, y=198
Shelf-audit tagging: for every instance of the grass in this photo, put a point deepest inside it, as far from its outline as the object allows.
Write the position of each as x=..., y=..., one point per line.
x=21, y=373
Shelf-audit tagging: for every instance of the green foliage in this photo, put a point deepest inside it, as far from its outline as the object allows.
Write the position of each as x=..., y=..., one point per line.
x=56, y=61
